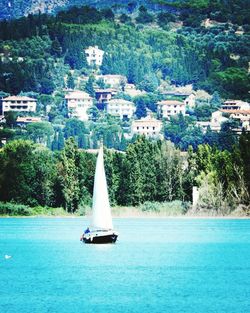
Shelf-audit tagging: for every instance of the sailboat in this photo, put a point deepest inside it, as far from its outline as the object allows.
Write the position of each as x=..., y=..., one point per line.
x=101, y=229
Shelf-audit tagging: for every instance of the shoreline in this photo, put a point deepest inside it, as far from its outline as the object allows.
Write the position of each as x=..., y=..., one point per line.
x=142, y=216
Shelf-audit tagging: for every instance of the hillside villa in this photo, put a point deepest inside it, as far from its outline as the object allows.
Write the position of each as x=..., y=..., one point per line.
x=238, y=110
x=94, y=55
x=18, y=104
x=113, y=81
x=235, y=105
x=78, y=102
x=148, y=126
x=190, y=100
x=120, y=107
x=167, y=108
x=217, y=119
x=242, y=115
x=215, y=122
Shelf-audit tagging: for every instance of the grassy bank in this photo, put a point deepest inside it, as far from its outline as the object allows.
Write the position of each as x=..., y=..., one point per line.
x=174, y=208
x=13, y=209
x=148, y=209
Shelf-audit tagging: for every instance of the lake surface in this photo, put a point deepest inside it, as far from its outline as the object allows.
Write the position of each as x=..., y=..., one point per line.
x=158, y=265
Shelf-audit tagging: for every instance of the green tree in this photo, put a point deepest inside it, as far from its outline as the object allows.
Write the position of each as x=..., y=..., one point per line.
x=144, y=17
x=235, y=81
x=133, y=184
x=68, y=176
x=169, y=173
x=89, y=87
x=124, y=18
x=10, y=118
x=27, y=172
x=76, y=129
x=39, y=132
x=56, y=48
x=70, y=81
x=141, y=110
x=216, y=100
x=60, y=140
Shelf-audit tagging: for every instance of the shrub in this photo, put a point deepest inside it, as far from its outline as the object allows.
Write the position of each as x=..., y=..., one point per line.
x=13, y=209
x=83, y=210
x=167, y=208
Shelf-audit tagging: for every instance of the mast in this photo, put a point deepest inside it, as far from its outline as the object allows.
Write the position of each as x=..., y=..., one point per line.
x=101, y=218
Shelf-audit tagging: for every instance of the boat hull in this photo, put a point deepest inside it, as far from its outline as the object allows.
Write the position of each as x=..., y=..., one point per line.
x=100, y=237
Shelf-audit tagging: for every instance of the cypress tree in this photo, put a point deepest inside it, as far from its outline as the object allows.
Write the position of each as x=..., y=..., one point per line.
x=60, y=140
x=89, y=88
x=68, y=175
x=56, y=48
x=70, y=81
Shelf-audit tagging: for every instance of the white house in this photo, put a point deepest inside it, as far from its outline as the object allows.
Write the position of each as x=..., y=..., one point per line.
x=78, y=102
x=121, y=108
x=235, y=105
x=190, y=101
x=94, y=55
x=148, y=126
x=167, y=108
x=18, y=104
x=242, y=115
x=217, y=119
x=114, y=81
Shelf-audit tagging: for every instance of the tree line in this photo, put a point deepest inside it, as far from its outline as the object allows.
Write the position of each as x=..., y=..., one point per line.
x=148, y=171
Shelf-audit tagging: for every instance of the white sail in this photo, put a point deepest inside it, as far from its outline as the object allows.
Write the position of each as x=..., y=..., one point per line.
x=101, y=218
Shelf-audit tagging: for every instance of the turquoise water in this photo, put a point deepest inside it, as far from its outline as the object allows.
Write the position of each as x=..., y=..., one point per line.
x=158, y=265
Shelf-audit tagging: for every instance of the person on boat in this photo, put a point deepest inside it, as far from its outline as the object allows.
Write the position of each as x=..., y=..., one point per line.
x=86, y=231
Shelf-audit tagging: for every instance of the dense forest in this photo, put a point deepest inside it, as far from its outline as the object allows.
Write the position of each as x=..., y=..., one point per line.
x=39, y=49
x=149, y=171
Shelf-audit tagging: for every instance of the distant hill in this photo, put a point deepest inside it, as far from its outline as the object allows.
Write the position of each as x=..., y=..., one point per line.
x=17, y=8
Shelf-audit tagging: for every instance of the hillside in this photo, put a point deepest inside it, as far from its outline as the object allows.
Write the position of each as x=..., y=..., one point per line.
x=17, y=8
x=195, y=47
